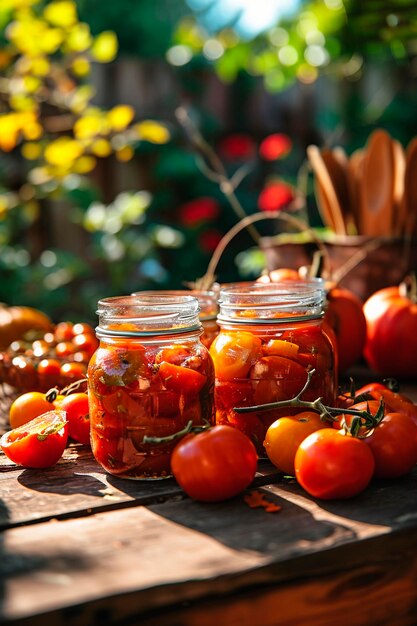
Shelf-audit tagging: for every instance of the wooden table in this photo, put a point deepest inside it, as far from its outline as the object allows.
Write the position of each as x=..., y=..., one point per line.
x=81, y=547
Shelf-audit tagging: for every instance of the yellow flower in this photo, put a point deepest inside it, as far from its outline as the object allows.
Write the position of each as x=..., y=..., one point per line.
x=79, y=38
x=9, y=131
x=84, y=165
x=80, y=66
x=39, y=66
x=63, y=152
x=124, y=154
x=88, y=126
x=153, y=132
x=101, y=148
x=31, y=151
x=120, y=117
x=62, y=13
x=104, y=48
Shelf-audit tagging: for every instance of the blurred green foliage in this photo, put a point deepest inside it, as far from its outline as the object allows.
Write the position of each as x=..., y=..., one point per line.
x=163, y=233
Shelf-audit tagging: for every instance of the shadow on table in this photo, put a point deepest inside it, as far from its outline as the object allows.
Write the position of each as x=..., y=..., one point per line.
x=290, y=530
x=19, y=563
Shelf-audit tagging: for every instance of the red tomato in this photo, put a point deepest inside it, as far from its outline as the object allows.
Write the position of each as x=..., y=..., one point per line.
x=391, y=343
x=64, y=348
x=277, y=378
x=28, y=406
x=63, y=331
x=215, y=464
x=175, y=354
x=394, y=446
x=371, y=406
x=76, y=407
x=48, y=372
x=345, y=315
x=70, y=372
x=331, y=464
x=181, y=379
x=394, y=402
x=285, y=435
x=233, y=355
x=39, y=443
x=85, y=342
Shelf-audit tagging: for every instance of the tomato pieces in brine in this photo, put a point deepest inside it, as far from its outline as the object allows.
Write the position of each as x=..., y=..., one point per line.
x=147, y=390
x=270, y=363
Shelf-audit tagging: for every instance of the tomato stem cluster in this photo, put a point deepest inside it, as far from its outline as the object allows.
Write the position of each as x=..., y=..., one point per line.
x=190, y=427
x=53, y=393
x=361, y=419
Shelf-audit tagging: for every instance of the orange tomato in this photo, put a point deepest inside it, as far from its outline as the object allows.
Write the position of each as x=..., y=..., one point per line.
x=233, y=355
x=285, y=435
x=28, y=406
x=280, y=275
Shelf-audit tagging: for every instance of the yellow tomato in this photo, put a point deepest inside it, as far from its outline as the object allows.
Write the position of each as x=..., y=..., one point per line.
x=28, y=406
x=234, y=354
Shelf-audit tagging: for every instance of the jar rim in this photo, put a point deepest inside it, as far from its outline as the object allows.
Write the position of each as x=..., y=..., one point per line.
x=273, y=302
x=147, y=314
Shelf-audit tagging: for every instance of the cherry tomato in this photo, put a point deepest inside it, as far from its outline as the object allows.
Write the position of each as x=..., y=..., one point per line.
x=394, y=445
x=85, y=342
x=76, y=407
x=285, y=435
x=39, y=443
x=70, y=372
x=81, y=328
x=181, y=379
x=63, y=331
x=64, y=348
x=233, y=355
x=215, y=464
x=48, y=372
x=23, y=373
x=331, y=464
x=28, y=406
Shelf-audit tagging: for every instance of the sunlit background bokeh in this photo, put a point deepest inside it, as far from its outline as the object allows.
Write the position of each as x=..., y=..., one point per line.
x=103, y=190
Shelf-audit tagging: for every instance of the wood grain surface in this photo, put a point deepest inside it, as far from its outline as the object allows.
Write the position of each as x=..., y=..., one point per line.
x=79, y=547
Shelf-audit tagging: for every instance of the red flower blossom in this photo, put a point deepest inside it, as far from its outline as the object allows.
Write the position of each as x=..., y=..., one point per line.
x=237, y=147
x=199, y=210
x=209, y=240
x=275, y=146
x=275, y=196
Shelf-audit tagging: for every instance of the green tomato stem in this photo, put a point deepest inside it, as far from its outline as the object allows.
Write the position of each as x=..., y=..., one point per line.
x=327, y=413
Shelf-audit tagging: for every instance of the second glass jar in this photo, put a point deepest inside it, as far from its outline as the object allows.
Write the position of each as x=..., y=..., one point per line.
x=271, y=336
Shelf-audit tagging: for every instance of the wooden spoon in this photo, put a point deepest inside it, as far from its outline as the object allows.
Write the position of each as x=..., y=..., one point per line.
x=355, y=173
x=400, y=206
x=338, y=165
x=376, y=188
x=328, y=202
x=410, y=189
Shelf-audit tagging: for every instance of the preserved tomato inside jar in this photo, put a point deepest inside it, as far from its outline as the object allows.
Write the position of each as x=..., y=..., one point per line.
x=271, y=336
x=150, y=377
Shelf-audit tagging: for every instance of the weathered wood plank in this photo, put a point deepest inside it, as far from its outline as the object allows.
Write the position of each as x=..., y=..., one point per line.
x=77, y=485
x=124, y=563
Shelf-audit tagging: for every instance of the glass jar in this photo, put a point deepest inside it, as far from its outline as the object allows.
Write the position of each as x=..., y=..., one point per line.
x=150, y=376
x=270, y=336
x=208, y=309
